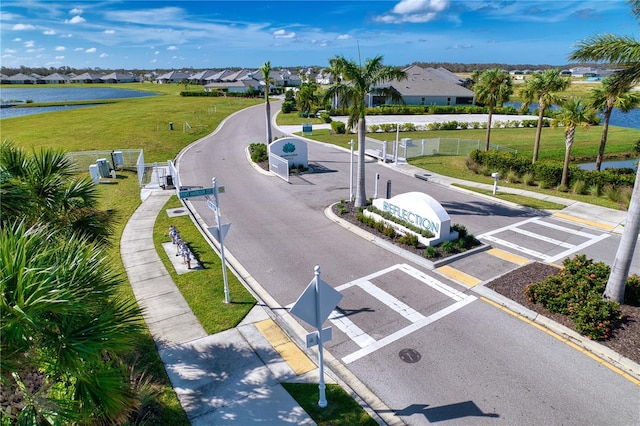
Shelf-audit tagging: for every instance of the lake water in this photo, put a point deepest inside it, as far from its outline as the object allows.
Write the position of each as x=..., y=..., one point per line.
x=630, y=119
x=61, y=94
x=623, y=164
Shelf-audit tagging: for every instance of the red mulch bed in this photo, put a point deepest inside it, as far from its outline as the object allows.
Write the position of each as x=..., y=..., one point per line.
x=625, y=337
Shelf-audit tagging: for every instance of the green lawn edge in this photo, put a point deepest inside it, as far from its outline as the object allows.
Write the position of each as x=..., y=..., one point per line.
x=341, y=409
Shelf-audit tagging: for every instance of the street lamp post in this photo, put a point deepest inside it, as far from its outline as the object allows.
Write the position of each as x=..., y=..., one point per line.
x=352, y=143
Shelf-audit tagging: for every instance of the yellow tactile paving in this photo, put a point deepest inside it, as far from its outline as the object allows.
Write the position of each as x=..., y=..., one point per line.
x=296, y=358
x=458, y=276
x=510, y=257
x=588, y=222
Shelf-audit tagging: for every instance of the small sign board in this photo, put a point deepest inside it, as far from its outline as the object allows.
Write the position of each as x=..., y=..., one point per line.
x=305, y=307
x=307, y=128
x=312, y=338
x=192, y=193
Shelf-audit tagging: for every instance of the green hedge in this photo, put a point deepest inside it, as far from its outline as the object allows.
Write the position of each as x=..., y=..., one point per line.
x=550, y=172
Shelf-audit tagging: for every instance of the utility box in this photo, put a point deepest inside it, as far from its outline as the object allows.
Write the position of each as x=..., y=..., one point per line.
x=93, y=172
x=118, y=159
x=104, y=169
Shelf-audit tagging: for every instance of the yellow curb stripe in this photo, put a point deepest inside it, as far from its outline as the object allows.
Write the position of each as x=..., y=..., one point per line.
x=600, y=225
x=566, y=341
x=505, y=255
x=292, y=354
x=458, y=276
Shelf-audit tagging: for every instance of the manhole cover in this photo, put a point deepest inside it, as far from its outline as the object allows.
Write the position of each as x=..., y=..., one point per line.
x=409, y=355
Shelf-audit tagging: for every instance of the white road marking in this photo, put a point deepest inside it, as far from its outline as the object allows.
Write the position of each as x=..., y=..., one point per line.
x=367, y=343
x=571, y=248
x=542, y=238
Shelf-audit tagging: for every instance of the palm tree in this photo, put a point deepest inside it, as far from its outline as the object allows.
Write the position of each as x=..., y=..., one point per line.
x=604, y=99
x=266, y=71
x=572, y=114
x=493, y=88
x=64, y=326
x=306, y=97
x=543, y=88
x=351, y=92
x=624, y=52
x=42, y=188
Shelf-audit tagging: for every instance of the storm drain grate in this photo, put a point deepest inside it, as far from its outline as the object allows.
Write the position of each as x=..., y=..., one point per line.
x=409, y=355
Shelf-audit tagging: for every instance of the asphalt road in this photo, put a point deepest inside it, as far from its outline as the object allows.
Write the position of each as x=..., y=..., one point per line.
x=428, y=347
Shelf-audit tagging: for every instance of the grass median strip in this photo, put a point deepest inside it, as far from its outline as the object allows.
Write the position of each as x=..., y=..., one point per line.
x=203, y=289
x=522, y=200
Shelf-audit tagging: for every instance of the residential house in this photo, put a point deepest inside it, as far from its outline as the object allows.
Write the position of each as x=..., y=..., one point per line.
x=55, y=78
x=117, y=77
x=87, y=78
x=173, y=77
x=427, y=86
x=21, y=78
x=201, y=77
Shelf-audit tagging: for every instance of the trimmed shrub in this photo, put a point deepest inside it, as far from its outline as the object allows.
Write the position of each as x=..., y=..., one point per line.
x=339, y=127
x=430, y=252
x=258, y=152
x=579, y=187
x=325, y=117
x=632, y=290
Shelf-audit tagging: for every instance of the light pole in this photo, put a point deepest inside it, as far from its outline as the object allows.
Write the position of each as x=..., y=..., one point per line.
x=352, y=143
x=227, y=298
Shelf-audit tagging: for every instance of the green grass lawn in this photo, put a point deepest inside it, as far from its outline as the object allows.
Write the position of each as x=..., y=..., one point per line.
x=203, y=289
x=341, y=409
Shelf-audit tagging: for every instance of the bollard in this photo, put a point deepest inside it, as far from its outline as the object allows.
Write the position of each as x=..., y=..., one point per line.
x=388, y=189
x=170, y=125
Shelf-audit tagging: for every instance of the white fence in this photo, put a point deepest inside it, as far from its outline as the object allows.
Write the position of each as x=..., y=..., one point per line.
x=408, y=148
x=279, y=166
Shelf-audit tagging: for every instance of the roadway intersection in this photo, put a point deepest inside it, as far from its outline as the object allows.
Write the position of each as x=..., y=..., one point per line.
x=420, y=338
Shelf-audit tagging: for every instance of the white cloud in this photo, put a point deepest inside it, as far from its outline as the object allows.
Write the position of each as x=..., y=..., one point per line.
x=172, y=48
x=103, y=55
x=343, y=37
x=66, y=35
x=461, y=46
x=76, y=11
x=49, y=32
x=75, y=20
x=157, y=52
x=283, y=34
x=109, y=31
x=29, y=43
x=78, y=49
x=10, y=51
x=414, y=11
x=59, y=58
x=17, y=39
x=23, y=27
x=91, y=50
x=60, y=48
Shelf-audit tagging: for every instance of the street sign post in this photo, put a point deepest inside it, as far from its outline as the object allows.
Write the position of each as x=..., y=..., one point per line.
x=314, y=307
x=221, y=231
x=193, y=193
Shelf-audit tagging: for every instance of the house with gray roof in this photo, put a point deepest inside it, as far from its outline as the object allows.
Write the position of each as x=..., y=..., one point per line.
x=172, y=77
x=21, y=78
x=427, y=86
x=118, y=77
x=87, y=78
x=55, y=78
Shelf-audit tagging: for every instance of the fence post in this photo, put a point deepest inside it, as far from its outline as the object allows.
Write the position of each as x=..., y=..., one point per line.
x=422, y=152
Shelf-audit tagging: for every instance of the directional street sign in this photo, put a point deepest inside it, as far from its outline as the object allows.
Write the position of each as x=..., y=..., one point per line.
x=192, y=193
x=305, y=307
x=215, y=232
x=312, y=338
x=212, y=206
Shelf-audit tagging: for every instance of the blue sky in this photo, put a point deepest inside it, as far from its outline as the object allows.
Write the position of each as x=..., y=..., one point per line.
x=222, y=34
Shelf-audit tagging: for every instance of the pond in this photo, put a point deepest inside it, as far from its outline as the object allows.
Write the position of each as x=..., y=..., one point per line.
x=59, y=94
x=629, y=119
x=621, y=164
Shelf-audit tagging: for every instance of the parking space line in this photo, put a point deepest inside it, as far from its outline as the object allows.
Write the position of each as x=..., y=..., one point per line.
x=458, y=276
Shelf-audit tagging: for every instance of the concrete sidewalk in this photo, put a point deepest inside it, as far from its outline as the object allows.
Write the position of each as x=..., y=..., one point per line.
x=230, y=377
